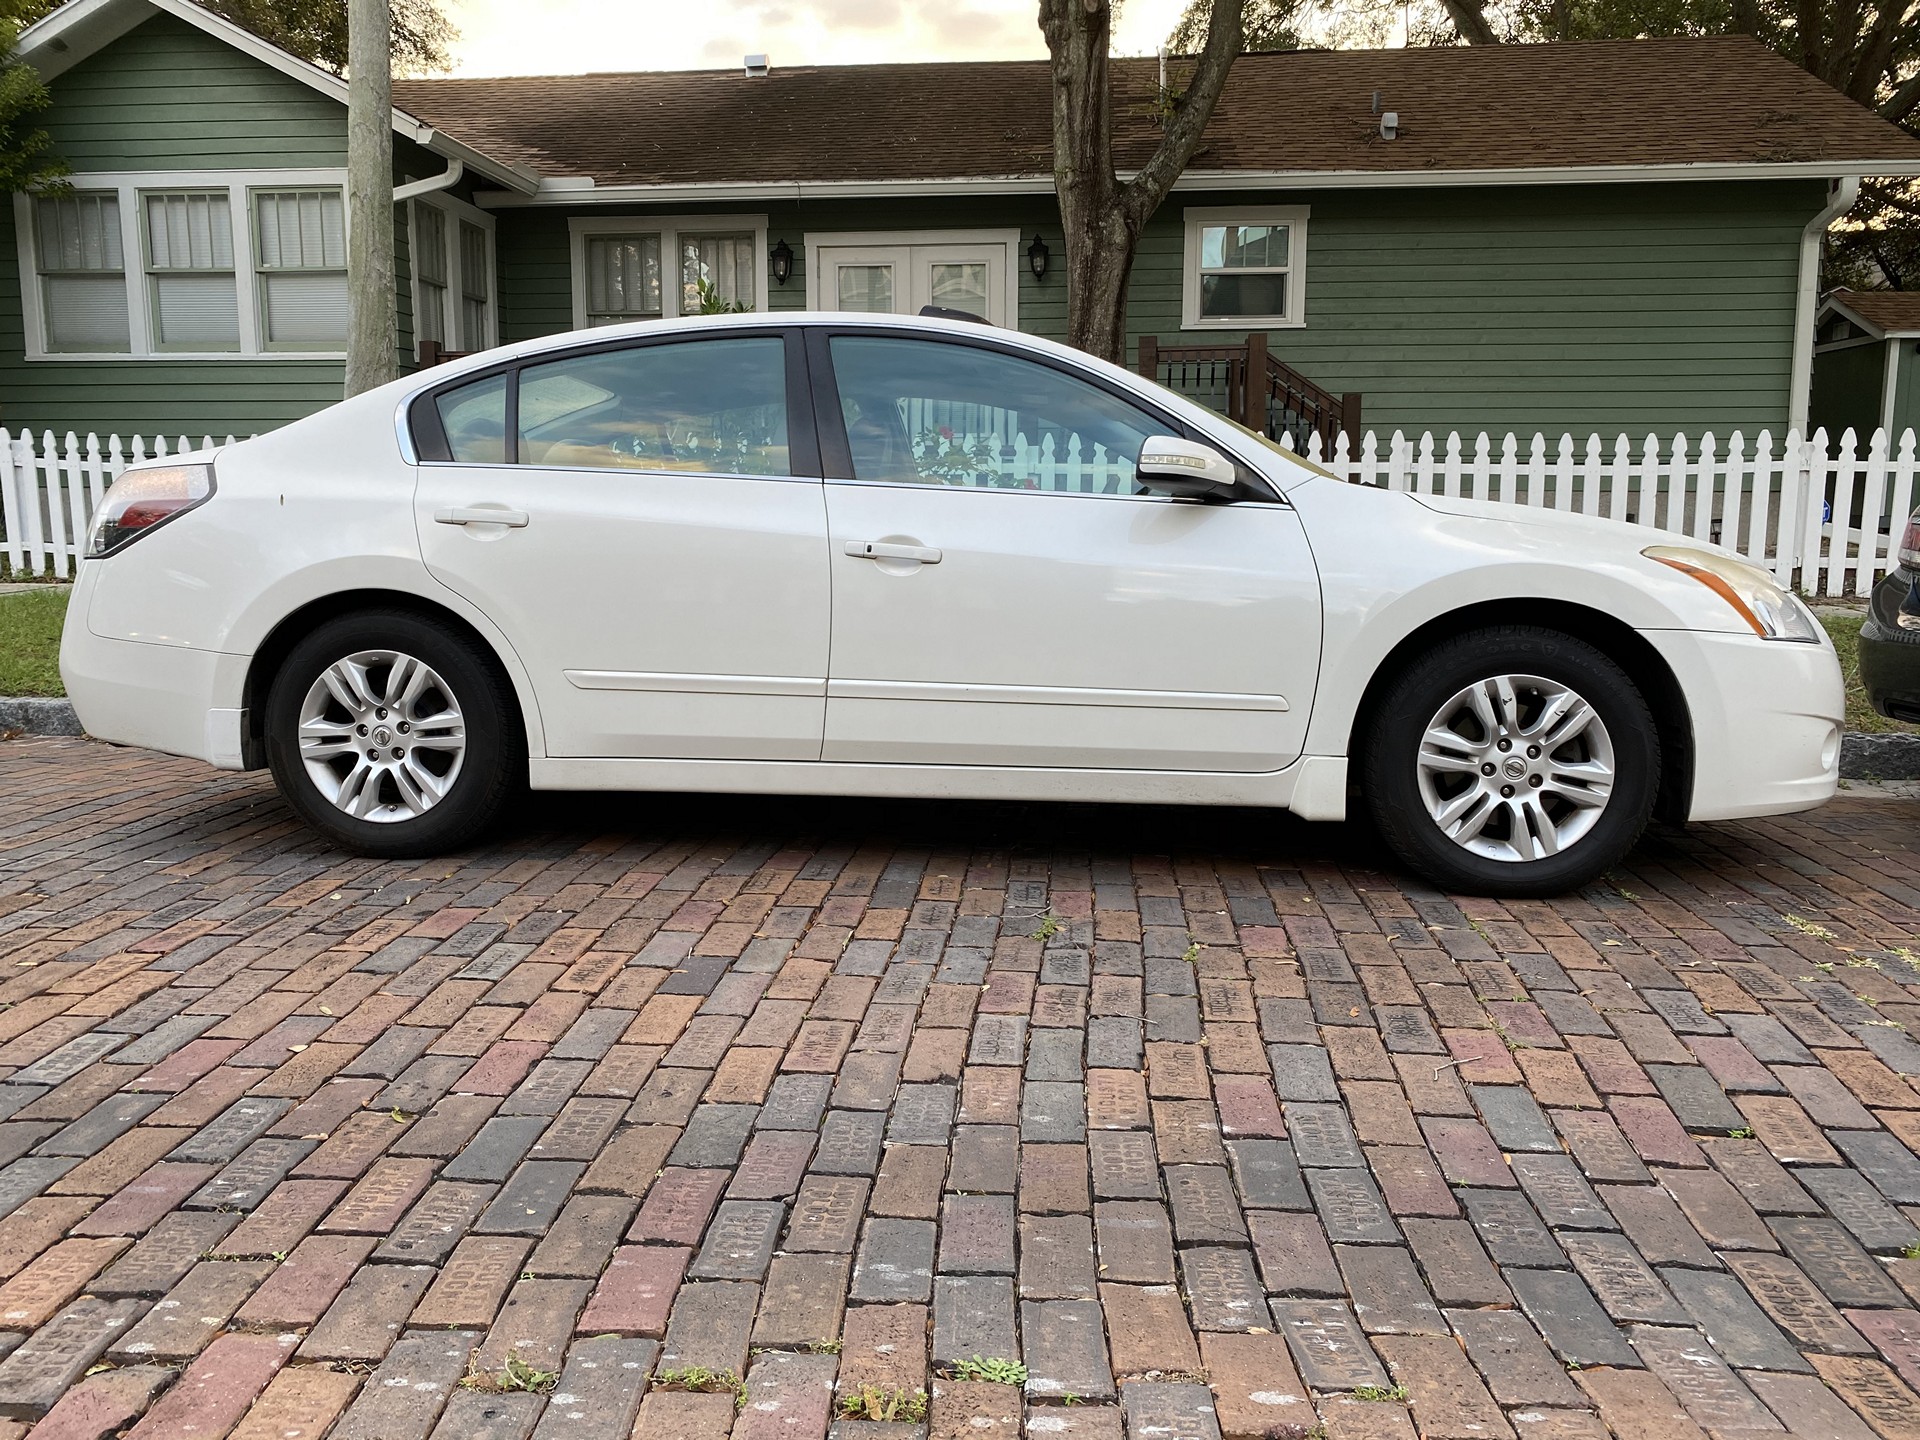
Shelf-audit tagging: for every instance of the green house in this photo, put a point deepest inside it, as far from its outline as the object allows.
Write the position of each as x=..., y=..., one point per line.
x=1866, y=363
x=1615, y=237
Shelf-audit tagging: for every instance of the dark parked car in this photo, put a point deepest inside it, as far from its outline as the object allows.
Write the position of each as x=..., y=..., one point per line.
x=1890, y=635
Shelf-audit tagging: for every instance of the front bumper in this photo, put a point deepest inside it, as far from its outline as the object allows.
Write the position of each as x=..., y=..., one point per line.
x=1767, y=716
x=1889, y=651
x=159, y=697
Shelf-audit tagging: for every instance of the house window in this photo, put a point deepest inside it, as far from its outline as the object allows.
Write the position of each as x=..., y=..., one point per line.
x=657, y=268
x=716, y=268
x=300, y=250
x=83, y=282
x=623, y=278
x=1245, y=268
x=192, y=292
x=204, y=265
x=452, y=261
x=476, y=285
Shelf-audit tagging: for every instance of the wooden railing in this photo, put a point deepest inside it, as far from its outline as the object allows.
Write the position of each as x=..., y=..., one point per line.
x=431, y=353
x=1246, y=382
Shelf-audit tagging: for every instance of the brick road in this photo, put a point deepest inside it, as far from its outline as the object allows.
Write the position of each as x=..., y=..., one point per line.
x=705, y=1117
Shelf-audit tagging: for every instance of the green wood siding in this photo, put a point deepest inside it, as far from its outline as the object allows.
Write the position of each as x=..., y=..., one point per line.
x=1848, y=385
x=1656, y=308
x=167, y=96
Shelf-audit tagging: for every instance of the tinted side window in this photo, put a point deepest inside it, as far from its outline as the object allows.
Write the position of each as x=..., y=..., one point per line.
x=711, y=406
x=474, y=419
x=942, y=413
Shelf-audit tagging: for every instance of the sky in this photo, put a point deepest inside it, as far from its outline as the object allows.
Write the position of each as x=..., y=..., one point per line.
x=566, y=37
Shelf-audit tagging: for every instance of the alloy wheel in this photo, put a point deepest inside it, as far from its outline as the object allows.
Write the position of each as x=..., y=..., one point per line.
x=1516, y=768
x=382, y=736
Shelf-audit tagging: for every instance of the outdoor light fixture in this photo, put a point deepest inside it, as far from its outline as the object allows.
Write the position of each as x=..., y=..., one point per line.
x=782, y=258
x=1037, y=257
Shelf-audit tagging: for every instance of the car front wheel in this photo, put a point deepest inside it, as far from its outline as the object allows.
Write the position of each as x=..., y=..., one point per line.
x=392, y=735
x=1514, y=760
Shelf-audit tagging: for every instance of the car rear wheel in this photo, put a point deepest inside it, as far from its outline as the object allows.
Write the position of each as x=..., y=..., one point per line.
x=392, y=735
x=1512, y=761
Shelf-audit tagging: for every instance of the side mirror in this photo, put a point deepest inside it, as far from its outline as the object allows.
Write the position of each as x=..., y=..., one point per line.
x=1185, y=469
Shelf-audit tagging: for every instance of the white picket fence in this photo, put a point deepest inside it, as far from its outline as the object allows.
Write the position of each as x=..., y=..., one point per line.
x=1825, y=517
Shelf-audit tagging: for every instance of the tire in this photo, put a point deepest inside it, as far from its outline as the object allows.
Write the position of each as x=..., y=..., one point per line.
x=1533, y=827
x=436, y=784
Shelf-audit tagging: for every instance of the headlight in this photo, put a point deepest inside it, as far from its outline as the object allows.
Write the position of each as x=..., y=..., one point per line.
x=1910, y=544
x=142, y=500
x=1774, y=613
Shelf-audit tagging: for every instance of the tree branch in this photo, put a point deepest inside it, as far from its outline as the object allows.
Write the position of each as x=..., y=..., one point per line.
x=1142, y=195
x=1470, y=19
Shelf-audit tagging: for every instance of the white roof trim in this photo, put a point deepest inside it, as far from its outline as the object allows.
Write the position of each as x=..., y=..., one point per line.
x=582, y=190
x=61, y=40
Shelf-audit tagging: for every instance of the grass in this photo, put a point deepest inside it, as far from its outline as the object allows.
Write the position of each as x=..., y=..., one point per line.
x=1861, y=717
x=30, y=623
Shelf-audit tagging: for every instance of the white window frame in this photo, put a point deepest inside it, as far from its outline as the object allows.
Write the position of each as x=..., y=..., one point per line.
x=262, y=275
x=130, y=186
x=1294, y=217
x=1016, y=257
x=453, y=211
x=668, y=228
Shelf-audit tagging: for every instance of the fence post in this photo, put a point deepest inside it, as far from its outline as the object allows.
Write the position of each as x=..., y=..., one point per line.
x=1873, y=496
x=1253, y=383
x=1350, y=414
x=10, y=502
x=1150, y=356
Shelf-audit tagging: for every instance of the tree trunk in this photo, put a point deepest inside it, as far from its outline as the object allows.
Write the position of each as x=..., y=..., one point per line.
x=1470, y=19
x=371, y=321
x=1101, y=216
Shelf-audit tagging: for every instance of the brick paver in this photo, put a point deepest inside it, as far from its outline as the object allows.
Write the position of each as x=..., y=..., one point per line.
x=766, y=1113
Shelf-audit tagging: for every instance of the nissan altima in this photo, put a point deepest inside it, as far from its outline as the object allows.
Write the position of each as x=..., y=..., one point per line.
x=860, y=555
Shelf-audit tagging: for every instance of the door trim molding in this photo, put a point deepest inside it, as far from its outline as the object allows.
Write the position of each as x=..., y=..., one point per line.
x=837, y=239
x=1048, y=695
x=694, y=684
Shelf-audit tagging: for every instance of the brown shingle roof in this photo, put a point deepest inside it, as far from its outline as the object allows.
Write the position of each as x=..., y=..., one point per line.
x=1891, y=311
x=1646, y=102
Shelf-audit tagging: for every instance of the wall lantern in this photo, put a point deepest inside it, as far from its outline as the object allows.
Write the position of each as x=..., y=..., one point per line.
x=1037, y=257
x=782, y=258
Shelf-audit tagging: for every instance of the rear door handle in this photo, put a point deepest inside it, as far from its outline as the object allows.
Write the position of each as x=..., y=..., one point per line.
x=881, y=550
x=480, y=515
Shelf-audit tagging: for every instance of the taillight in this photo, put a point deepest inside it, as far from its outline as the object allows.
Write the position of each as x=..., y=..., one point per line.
x=143, y=500
x=1910, y=543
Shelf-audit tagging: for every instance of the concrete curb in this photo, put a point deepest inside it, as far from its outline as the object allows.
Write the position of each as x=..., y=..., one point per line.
x=1862, y=757
x=39, y=717
x=1880, y=757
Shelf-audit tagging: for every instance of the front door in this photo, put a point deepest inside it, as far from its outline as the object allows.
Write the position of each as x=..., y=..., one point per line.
x=900, y=275
x=654, y=549
x=1004, y=594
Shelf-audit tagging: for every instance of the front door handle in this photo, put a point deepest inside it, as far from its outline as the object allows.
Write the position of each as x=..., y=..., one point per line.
x=881, y=550
x=480, y=515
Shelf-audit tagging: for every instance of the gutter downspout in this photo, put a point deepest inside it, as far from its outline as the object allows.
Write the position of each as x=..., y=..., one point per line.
x=1845, y=191
x=455, y=170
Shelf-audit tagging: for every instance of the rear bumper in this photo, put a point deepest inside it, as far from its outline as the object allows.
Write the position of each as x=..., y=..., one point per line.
x=159, y=697
x=1767, y=717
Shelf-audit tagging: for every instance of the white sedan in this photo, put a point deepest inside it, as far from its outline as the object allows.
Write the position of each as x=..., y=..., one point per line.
x=835, y=554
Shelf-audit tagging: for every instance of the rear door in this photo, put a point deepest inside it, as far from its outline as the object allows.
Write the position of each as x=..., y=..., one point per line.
x=654, y=544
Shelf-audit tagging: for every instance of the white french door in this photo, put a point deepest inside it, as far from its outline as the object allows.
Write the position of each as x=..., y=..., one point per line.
x=900, y=274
